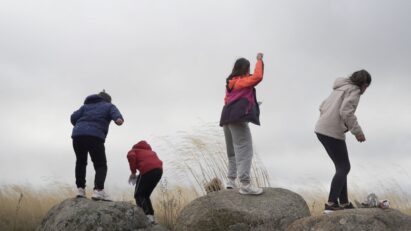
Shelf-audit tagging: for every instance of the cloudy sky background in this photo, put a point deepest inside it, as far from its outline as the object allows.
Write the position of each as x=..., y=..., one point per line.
x=165, y=64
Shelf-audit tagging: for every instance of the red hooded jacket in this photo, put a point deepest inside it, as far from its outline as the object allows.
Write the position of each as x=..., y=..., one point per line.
x=143, y=159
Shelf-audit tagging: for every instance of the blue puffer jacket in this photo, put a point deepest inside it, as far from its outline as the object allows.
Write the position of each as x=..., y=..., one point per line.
x=94, y=117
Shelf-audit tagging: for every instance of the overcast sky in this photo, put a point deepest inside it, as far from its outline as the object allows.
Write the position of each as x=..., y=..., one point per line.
x=165, y=63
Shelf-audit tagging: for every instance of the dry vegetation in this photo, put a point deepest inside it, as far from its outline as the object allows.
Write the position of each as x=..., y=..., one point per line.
x=22, y=208
x=201, y=159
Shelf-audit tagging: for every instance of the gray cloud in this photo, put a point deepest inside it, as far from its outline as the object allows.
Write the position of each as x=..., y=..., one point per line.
x=165, y=65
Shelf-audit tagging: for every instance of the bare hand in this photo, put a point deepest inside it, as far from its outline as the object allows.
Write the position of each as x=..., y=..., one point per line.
x=260, y=56
x=119, y=121
x=132, y=179
x=360, y=138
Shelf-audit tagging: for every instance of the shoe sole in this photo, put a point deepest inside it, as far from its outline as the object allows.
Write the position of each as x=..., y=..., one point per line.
x=331, y=211
x=328, y=211
x=99, y=199
x=246, y=193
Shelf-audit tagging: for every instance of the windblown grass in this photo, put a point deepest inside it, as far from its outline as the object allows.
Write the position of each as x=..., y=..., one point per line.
x=398, y=198
x=23, y=207
x=168, y=202
x=200, y=157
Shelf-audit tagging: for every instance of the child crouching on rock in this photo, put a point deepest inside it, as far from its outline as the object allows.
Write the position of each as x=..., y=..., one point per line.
x=142, y=158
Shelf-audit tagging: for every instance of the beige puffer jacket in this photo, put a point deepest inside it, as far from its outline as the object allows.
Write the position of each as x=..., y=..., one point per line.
x=337, y=111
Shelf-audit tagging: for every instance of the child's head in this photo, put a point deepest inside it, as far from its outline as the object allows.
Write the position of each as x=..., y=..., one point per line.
x=105, y=96
x=362, y=79
x=241, y=67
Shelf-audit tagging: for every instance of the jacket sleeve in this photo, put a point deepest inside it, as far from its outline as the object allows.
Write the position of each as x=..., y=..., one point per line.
x=252, y=80
x=115, y=113
x=76, y=116
x=347, y=110
x=131, y=156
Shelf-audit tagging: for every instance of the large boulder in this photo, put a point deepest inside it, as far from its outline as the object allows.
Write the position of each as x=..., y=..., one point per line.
x=226, y=210
x=82, y=214
x=354, y=220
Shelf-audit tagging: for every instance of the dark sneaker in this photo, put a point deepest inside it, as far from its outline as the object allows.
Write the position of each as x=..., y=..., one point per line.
x=349, y=206
x=331, y=208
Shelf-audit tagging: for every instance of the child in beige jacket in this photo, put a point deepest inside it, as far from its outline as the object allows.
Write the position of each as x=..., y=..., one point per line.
x=337, y=116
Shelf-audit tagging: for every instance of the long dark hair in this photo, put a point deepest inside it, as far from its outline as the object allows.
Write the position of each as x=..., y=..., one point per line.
x=360, y=78
x=241, y=67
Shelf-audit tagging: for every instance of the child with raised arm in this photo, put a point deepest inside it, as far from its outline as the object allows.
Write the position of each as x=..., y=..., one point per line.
x=241, y=108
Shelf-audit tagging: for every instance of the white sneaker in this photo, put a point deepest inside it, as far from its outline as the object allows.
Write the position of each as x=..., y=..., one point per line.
x=152, y=219
x=248, y=189
x=100, y=195
x=81, y=193
x=230, y=184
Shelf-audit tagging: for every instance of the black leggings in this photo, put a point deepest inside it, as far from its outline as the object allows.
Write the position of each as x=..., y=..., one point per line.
x=89, y=144
x=337, y=150
x=144, y=187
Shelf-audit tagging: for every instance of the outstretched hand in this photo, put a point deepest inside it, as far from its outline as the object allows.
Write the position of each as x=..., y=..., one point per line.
x=119, y=121
x=132, y=180
x=360, y=138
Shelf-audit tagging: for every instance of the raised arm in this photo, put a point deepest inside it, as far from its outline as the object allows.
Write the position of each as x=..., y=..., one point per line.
x=251, y=80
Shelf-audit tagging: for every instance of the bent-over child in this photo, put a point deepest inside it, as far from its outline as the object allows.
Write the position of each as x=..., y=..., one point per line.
x=142, y=158
x=337, y=116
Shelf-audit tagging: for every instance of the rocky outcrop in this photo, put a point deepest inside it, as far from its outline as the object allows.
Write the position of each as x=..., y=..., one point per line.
x=226, y=210
x=83, y=214
x=354, y=220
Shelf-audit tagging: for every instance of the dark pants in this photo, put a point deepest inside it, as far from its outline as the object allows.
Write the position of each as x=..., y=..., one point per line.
x=95, y=146
x=337, y=150
x=144, y=187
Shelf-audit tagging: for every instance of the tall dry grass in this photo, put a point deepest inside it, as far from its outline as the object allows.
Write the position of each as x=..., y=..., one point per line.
x=200, y=157
x=23, y=207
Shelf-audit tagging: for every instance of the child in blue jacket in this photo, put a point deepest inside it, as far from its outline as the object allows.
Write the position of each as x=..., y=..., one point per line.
x=91, y=124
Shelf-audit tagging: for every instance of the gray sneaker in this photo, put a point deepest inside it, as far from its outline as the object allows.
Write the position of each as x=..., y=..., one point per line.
x=100, y=195
x=230, y=184
x=151, y=219
x=248, y=189
x=81, y=193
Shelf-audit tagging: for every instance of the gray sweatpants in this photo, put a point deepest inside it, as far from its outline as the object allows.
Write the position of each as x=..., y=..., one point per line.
x=239, y=150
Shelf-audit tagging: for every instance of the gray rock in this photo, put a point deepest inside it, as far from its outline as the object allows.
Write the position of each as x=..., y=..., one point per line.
x=354, y=220
x=83, y=214
x=229, y=210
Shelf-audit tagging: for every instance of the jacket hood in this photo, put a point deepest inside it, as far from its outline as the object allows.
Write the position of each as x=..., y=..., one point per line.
x=93, y=99
x=142, y=145
x=342, y=82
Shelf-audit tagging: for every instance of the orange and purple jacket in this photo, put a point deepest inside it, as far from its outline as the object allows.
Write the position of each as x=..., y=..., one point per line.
x=240, y=102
